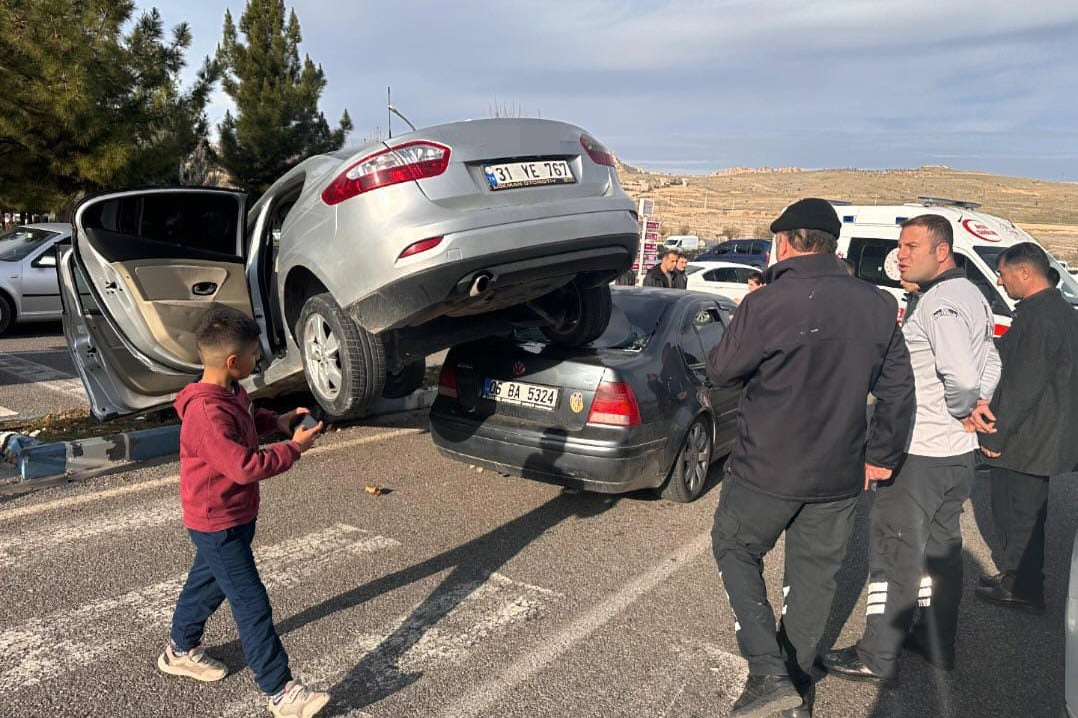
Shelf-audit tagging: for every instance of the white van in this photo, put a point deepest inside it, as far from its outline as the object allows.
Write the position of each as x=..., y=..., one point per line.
x=869, y=239
x=684, y=242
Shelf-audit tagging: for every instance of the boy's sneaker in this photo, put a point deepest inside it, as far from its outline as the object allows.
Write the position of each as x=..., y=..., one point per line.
x=192, y=664
x=297, y=701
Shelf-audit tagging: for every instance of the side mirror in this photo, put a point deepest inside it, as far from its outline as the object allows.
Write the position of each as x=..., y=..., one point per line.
x=46, y=260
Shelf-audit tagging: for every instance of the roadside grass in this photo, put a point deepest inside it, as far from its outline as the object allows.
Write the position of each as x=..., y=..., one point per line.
x=79, y=424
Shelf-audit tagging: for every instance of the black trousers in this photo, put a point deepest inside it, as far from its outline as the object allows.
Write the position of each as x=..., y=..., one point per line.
x=1019, y=510
x=747, y=524
x=915, y=556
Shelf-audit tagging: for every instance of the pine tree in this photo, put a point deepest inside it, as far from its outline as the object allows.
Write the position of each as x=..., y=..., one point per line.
x=277, y=121
x=85, y=107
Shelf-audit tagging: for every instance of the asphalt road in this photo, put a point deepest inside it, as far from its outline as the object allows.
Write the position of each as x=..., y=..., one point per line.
x=457, y=593
x=36, y=373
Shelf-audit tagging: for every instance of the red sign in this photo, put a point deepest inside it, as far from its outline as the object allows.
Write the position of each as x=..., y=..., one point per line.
x=981, y=230
x=652, y=225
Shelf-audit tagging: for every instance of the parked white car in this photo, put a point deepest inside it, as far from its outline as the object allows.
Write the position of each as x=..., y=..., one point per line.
x=28, y=286
x=726, y=278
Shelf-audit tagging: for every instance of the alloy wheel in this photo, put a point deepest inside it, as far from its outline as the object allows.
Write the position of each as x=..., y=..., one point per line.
x=696, y=458
x=322, y=353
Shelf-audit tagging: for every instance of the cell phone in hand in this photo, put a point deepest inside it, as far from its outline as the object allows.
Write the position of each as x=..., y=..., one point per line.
x=307, y=421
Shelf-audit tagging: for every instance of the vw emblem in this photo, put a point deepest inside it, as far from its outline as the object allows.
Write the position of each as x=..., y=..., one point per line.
x=519, y=368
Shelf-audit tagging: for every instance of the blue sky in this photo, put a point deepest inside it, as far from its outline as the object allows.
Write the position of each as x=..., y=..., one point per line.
x=691, y=86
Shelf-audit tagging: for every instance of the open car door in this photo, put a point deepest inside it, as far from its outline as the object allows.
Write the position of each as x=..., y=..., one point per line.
x=143, y=268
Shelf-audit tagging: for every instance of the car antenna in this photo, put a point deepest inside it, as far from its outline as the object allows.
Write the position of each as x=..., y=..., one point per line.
x=396, y=112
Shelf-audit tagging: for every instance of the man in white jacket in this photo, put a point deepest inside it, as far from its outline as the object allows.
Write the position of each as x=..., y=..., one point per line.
x=915, y=560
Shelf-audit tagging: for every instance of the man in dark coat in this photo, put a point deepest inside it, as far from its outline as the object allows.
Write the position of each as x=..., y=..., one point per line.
x=808, y=347
x=1035, y=412
x=680, y=278
x=662, y=273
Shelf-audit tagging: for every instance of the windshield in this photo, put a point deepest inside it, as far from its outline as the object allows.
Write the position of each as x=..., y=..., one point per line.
x=1067, y=283
x=633, y=320
x=21, y=241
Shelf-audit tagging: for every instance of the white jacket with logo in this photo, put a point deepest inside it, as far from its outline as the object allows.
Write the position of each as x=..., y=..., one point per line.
x=949, y=335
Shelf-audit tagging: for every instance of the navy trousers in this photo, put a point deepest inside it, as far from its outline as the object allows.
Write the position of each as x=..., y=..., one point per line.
x=224, y=567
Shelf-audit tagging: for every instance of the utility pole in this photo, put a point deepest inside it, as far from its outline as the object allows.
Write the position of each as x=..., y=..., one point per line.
x=389, y=113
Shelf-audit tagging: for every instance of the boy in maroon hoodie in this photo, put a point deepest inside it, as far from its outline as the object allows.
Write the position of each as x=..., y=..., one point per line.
x=220, y=467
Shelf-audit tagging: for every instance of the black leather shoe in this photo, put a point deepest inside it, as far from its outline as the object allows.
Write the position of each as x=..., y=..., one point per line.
x=808, y=698
x=987, y=581
x=941, y=657
x=1002, y=597
x=764, y=696
x=845, y=663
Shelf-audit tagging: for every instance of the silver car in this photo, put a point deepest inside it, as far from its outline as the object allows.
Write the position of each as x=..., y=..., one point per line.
x=28, y=288
x=357, y=264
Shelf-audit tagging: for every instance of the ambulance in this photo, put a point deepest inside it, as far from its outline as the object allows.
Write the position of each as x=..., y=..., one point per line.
x=869, y=239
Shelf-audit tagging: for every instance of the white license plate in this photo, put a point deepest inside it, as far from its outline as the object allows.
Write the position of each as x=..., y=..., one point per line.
x=527, y=174
x=515, y=392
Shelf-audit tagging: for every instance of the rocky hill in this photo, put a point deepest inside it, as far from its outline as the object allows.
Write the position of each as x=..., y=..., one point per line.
x=742, y=201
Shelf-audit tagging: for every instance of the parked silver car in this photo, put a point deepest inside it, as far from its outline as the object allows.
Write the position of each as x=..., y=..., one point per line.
x=28, y=288
x=357, y=264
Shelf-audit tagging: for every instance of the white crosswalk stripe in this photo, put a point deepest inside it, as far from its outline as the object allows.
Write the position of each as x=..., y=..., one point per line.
x=442, y=630
x=42, y=376
x=50, y=646
x=55, y=537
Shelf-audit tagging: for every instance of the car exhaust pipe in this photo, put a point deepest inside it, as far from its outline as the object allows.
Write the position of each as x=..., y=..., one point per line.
x=481, y=284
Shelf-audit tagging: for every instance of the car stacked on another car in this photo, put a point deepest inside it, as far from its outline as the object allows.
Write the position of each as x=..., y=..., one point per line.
x=28, y=287
x=357, y=264
x=633, y=409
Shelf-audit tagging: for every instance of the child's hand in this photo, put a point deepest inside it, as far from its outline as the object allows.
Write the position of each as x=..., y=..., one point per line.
x=305, y=437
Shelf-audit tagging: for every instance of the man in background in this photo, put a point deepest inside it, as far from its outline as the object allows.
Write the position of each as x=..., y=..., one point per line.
x=1031, y=423
x=661, y=274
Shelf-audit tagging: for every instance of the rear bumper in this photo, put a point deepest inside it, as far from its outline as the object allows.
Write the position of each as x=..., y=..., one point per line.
x=534, y=265
x=595, y=465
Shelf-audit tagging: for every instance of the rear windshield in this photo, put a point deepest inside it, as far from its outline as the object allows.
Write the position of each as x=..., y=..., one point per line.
x=1067, y=283
x=17, y=243
x=633, y=320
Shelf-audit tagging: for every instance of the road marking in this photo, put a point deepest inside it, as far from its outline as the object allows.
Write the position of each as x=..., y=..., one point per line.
x=69, y=639
x=484, y=697
x=42, y=375
x=26, y=546
x=71, y=501
x=443, y=629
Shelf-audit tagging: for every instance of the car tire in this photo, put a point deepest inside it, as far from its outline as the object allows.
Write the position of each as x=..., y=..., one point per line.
x=344, y=364
x=688, y=475
x=406, y=381
x=7, y=313
x=586, y=314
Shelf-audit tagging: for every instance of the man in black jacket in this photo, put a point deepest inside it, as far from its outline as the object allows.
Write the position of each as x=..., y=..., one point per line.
x=1034, y=410
x=808, y=347
x=661, y=274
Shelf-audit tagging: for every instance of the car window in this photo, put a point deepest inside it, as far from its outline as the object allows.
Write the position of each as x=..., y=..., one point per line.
x=203, y=221
x=18, y=243
x=744, y=274
x=987, y=286
x=693, y=269
x=701, y=333
x=709, y=326
x=868, y=257
x=726, y=274
x=724, y=247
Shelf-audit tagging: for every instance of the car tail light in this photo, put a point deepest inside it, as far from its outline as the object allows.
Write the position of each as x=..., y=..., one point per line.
x=614, y=404
x=411, y=161
x=599, y=154
x=421, y=246
x=447, y=382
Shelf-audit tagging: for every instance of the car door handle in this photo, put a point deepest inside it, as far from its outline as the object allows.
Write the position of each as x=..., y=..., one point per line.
x=204, y=289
